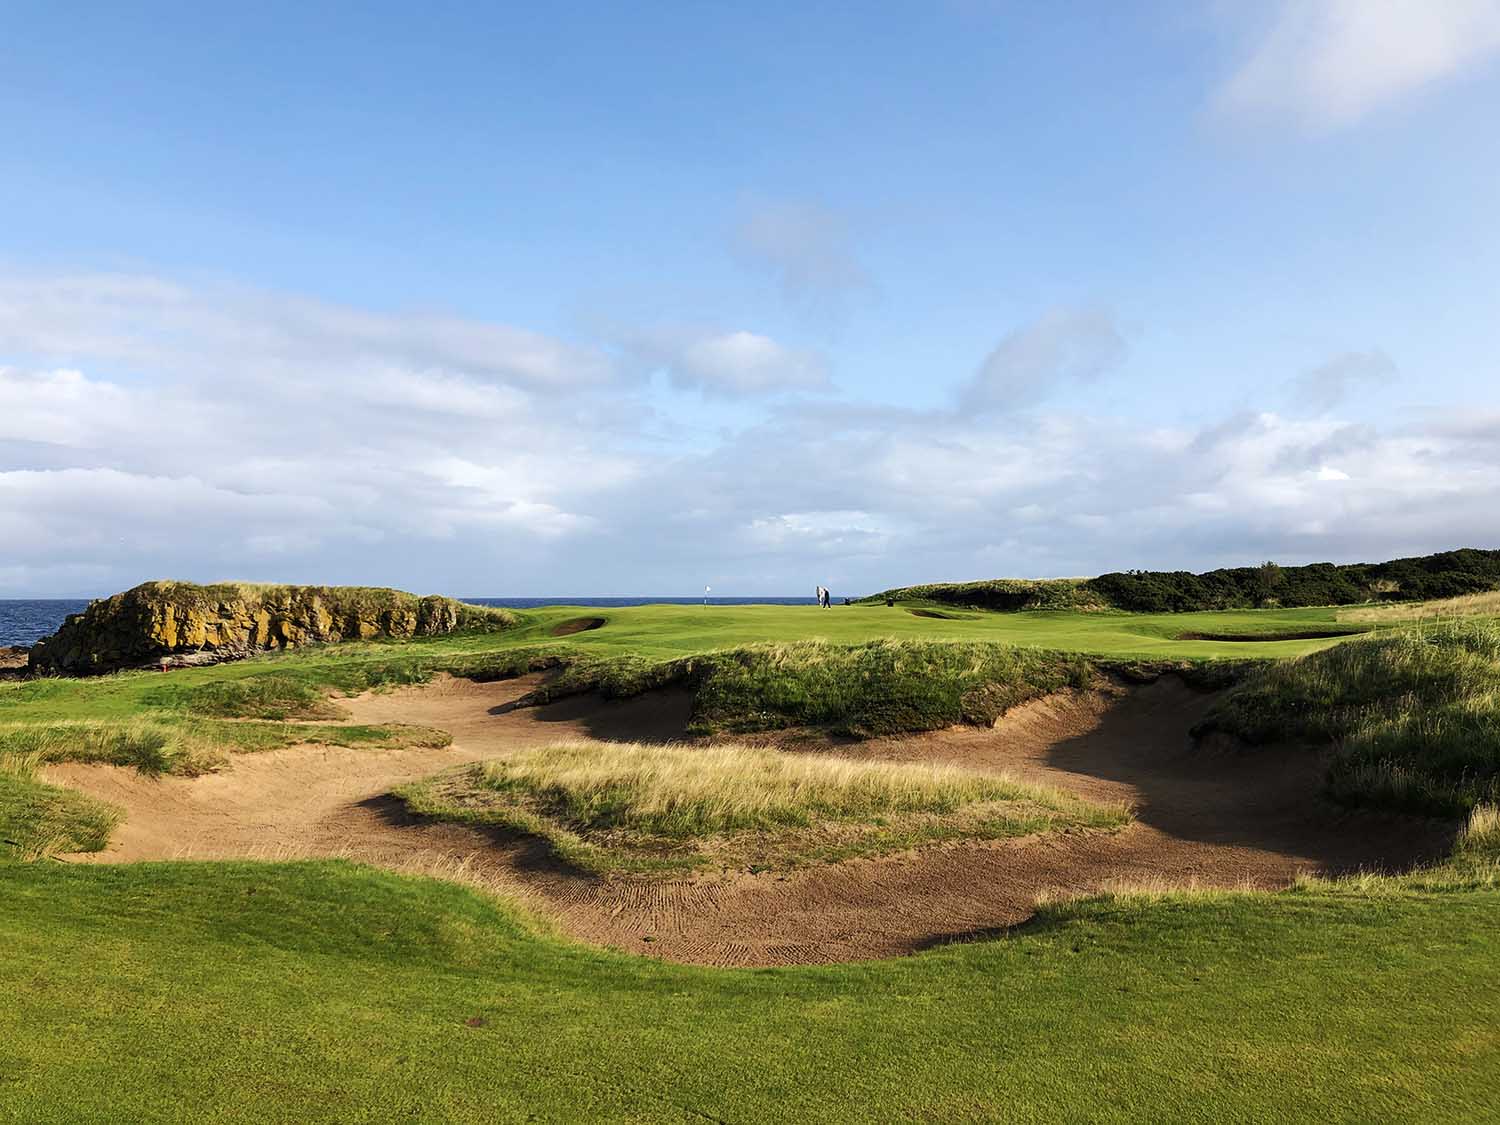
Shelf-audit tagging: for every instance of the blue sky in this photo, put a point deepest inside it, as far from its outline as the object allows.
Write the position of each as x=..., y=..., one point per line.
x=500, y=299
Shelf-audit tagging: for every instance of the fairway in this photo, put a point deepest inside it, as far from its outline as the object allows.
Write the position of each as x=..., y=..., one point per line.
x=674, y=630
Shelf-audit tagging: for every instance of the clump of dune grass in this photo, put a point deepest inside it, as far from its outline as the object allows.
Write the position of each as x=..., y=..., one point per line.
x=1413, y=714
x=1481, y=836
x=150, y=747
x=38, y=820
x=1468, y=605
x=627, y=806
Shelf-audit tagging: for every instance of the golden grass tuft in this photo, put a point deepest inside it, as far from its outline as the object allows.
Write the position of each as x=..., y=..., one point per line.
x=600, y=804
x=1469, y=605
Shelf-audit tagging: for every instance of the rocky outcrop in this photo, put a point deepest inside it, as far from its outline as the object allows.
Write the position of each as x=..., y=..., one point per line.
x=187, y=624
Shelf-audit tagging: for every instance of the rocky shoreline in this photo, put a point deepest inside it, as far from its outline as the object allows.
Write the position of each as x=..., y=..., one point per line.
x=179, y=624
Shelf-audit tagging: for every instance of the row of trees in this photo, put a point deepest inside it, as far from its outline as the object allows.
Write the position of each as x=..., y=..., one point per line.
x=1444, y=575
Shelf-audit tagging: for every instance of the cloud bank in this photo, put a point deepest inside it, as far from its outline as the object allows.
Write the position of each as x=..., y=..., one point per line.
x=150, y=429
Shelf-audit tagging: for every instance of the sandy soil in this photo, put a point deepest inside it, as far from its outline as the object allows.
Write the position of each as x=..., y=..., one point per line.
x=1211, y=817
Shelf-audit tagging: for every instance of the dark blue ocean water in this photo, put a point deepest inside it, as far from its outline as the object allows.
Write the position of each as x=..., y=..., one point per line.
x=25, y=622
x=533, y=603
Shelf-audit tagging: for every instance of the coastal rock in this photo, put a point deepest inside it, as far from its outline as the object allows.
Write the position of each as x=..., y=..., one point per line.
x=181, y=624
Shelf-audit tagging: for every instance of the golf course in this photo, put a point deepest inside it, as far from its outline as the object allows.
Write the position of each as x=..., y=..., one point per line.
x=902, y=859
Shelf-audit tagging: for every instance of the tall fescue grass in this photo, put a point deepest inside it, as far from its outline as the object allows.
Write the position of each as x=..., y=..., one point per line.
x=593, y=798
x=1414, y=715
x=1469, y=605
x=39, y=820
x=151, y=747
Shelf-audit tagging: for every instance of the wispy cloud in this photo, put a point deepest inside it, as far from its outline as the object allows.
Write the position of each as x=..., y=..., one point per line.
x=1331, y=383
x=1328, y=63
x=1062, y=346
x=807, y=246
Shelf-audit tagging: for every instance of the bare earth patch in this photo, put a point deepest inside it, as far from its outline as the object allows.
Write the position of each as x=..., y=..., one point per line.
x=1209, y=817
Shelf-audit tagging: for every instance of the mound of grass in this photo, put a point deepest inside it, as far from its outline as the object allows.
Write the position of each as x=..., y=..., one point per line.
x=612, y=806
x=880, y=687
x=268, y=696
x=883, y=687
x=1005, y=595
x=1414, y=715
x=38, y=820
x=151, y=747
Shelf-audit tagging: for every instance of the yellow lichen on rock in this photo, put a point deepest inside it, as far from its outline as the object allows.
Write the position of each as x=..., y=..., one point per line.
x=159, y=620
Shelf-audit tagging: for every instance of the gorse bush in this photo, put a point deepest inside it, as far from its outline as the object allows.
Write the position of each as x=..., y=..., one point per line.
x=1444, y=575
x=1414, y=714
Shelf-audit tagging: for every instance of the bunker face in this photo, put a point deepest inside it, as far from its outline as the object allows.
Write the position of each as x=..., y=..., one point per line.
x=577, y=625
x=934, y=613
x=1290, y=635
x=1205, y=817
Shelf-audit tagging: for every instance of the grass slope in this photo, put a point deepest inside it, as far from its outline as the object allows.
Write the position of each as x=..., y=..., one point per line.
x=1415, y=715
x=632, y=807
x=325, y=992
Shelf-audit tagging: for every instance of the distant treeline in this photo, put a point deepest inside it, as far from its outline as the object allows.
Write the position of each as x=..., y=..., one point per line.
x=1444, y=575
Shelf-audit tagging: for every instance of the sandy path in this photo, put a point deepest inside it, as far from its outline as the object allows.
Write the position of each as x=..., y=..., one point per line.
x=1205, y=817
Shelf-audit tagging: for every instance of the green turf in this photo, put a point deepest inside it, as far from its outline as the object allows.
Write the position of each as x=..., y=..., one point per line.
x=291, y=684
x=321, y=991
x=324, y=992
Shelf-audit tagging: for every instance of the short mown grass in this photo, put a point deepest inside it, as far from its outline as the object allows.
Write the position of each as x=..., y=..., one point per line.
x=312, y=992
x=632, y=807
x=1414, y=715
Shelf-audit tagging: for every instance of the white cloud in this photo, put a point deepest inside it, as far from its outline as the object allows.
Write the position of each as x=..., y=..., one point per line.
x=733, y=363
x=1328, y=63
x=277, y=464
x=165, y=327
x=1062, y=346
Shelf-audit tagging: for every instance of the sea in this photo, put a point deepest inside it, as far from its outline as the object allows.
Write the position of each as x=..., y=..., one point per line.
x=24, y=622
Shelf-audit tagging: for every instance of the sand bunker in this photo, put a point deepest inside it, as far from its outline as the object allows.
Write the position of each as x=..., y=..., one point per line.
x=1206, y=817
x=1289, y=635
x=577, y=625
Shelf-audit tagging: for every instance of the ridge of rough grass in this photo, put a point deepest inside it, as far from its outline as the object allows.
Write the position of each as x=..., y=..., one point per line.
x=1413, y=714
x=633, y=807
x=38, y=820
x=1467, y=605
x=862, y=690
x=188, y=750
